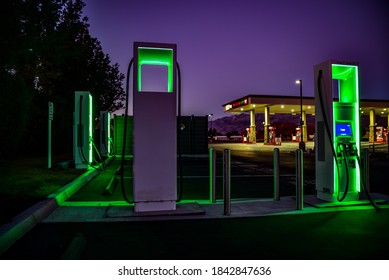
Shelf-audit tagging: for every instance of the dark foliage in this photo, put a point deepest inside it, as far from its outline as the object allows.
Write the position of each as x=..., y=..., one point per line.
x=47, y=53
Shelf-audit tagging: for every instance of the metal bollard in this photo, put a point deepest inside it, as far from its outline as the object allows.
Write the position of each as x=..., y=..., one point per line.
x=366, y=168
x=276, y=172
x=299, y=180
x=227, y=181
x=212, y=175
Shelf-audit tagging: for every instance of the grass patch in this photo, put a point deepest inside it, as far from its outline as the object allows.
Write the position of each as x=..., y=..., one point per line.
x=25, y=181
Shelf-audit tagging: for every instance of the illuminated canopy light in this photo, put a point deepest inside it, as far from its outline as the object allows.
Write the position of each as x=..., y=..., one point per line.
x=155, y=56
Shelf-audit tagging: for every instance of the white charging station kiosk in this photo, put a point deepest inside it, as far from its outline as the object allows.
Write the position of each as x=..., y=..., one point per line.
x=155, y=127
x=337, y=139
x=105, y=133
x=82, y=129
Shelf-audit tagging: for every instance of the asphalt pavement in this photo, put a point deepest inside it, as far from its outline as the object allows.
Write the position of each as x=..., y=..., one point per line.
x=93, y=223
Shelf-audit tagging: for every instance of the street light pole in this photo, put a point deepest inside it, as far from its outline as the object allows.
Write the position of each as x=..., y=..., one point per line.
x=301, y=143
x=211, y=115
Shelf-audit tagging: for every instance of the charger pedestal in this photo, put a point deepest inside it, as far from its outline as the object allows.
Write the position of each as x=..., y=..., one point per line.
x=155, y=127
x=337, y=125
x=82, y=129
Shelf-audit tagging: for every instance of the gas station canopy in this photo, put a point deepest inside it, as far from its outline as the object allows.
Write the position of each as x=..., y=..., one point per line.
x=291, y=105
x=381, y=107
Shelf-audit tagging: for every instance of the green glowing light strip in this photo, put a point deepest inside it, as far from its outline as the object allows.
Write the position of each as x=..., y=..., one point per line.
x=155, y=56
x=348, y=93
x=211, y=175
x=108, y=132
x=357, y=127
x=90, y=127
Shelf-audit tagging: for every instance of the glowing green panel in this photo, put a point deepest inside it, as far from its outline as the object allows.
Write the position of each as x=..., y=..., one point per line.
x=108, y=132
x=348, y=82
x=90, y=127
x=346, y=111
x=155, y=56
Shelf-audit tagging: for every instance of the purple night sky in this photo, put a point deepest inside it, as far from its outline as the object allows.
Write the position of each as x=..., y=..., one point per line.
x=228, y=49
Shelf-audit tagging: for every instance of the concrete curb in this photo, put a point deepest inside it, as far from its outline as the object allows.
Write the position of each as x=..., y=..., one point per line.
x=68, y=190
x=24, y=222
x=28, y=219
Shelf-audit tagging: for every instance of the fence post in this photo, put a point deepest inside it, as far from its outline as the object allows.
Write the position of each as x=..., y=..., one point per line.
x=50, y=118
x=366, y=168
x=299, y=180
x=212, y=175
x=227, y=182
x=276, y=172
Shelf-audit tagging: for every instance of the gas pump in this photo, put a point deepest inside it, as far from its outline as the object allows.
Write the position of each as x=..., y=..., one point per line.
x=82, y=129
x=155, y=114
x=298, y=134
x=247, y=136
x=337, y=143
x=272, y=135
x=380, y=134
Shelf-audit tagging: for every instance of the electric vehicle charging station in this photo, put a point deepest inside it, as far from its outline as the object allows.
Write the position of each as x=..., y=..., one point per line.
x=105, y=133
x=82, y=129
x=337, y=131
x=155, y=114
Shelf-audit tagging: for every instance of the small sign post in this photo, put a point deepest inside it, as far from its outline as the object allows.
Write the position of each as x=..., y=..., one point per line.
x=50, y=118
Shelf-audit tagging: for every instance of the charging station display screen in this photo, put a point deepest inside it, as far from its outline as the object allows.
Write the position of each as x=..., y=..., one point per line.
x=343, y=129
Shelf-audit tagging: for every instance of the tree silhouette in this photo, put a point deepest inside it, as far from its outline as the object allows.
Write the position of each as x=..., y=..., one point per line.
x=47, y=53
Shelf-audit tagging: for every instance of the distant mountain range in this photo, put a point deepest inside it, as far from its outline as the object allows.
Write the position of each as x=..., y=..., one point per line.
x=239, y=123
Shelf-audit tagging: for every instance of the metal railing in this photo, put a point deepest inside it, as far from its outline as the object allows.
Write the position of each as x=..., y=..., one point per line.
x=299, y=161
x=366, y=169
x=227, y=182
x=299, y=180
x=276, y=173
x=212, y=175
